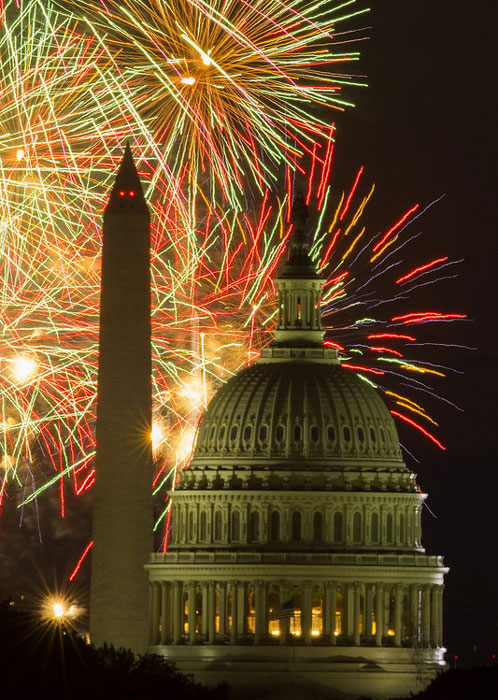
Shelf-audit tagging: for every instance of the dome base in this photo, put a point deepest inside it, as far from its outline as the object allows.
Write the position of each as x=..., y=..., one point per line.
x=308, y=672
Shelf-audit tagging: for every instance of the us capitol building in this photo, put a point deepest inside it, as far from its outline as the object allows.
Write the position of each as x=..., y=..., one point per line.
x=296, y=567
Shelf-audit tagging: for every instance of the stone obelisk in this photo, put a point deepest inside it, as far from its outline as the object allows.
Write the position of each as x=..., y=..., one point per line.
x=122, y=511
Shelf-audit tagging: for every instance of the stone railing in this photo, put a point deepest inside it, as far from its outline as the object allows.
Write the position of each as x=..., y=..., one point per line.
x=417, y=560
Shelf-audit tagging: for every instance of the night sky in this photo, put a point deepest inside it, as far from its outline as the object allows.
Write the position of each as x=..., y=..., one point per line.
x=424, y=127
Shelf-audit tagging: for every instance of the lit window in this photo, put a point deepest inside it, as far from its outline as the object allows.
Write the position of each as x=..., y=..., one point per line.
x=317, y=615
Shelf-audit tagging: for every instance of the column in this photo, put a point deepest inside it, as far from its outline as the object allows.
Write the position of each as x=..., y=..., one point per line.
x=327, y=620
x=156, y=602
x=414, y=615
x=349, y=609
x=165, y=612
x=356, y=613
x=204, y=594
x=440, y=590
x=260, y=601
x=211, y=612
x=241, y=610
x=398, y=607
x=306, y=615
x=332, y=613
x=379, y=613
x=284, y=623
x=233, y=632
x=367, y=623
x=426, y=616
x=192, y=611
x=177, y=611
x=222, y=597
x=434, y=615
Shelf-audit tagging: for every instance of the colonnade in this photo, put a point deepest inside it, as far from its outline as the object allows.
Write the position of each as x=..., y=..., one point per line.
x=345, y=613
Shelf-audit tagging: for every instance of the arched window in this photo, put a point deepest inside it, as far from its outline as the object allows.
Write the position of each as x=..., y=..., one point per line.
x=280, y=433
x=198, y=613
x=374, y=527
x=317, y=527
x=401, y=528
x=296, y=526
x=221, y=434
x=339, y=615
x=273, y=604
x=247, y=433
x=389, y=528
x=229, y=611
x=331, y=433
x=233, y=433
x=297, y=433
x=361, y=434
x=186, y=605
x=254, y=526
x=275, y=526
x=382, y=435
x=346, y=432
x=338, y=527
x=373, y=435
x=263, y=433
x=218, y=526
x=251, y=611
x=203, y=535
x=357, y=527
x=314, y=433
x=235, y=525
x=191, y=525
x=295, y=621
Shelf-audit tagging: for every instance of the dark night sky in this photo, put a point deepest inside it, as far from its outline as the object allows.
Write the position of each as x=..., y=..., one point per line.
x=424, y=127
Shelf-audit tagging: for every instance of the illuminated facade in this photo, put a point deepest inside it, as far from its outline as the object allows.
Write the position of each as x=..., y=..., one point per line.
x=297, y=499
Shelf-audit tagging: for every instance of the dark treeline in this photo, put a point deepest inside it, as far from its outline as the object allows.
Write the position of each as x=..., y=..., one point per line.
x=49, y=659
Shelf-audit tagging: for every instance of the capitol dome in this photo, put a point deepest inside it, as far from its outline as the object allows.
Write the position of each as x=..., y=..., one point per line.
x=299, y=412
x=297, y=526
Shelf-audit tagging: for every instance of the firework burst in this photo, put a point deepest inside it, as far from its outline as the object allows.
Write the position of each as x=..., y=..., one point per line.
x=229, y=88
